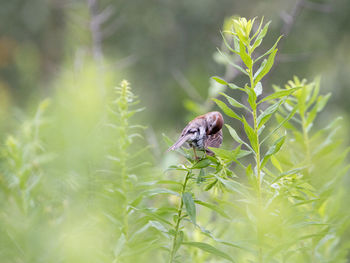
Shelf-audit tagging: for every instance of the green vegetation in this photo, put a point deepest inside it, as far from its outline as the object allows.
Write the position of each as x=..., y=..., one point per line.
x=86, y=180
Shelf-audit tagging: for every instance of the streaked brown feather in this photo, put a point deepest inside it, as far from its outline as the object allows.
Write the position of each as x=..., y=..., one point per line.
x=214, y=140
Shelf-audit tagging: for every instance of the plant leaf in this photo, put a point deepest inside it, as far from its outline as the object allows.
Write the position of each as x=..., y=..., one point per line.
x=190, y=206
x=224, y=154
x=269, y=51
x=219, y=80
x=273, y=149
x=226, y=109
x=266, y=67
x=235, y=136
x=233, y=64
x=260, y=37
x=201, y=164
x=158, y=191
x=251, y=135
x=244, y=56
x=266, y=115
x=179, y=241
x=279, y=94
x=234, y=86
x=210, y=249
x=290, y=115
x=233, y=102
x=251, y=97
x=213, y=207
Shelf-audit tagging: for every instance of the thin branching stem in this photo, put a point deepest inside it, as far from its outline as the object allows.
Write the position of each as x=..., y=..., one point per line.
x=179, y=218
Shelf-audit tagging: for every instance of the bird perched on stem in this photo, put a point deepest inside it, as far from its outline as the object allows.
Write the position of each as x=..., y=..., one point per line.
x=202, y=132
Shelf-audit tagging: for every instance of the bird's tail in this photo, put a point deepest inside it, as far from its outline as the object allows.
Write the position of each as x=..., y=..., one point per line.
x=179, y=142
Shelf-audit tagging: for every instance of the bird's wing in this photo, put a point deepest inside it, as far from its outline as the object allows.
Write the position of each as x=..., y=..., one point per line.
x=180, y=142
x=214, y=140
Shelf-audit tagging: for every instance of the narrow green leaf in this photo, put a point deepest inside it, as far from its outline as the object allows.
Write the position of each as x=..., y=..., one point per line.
x=251, y=177
x=219, y=80
x=251, y=97
x=259, y=28
x=285, y=120
x=233, y=102
x=233, y=186
x=290, y=172
x=158, y=191
x=120, y=245
x=226, y=109
x=315, y=92
x=190, y=206
x=307, y=201
x=211, y=185
x=152, y=213
x=233, y=64
x=266, y=68
x=251, y=135
x=260, y=37
x=179, y=240
x=213, y=207
x=266, y=115
x=158, y=226
x=201, y=164
x=269, y=51
x=273, y=149
x=200, y=177
x=280, y=94
x=244, y=56
x=235, y=136
x=236, y=43
x=210, y=249
x=276, y=163
x=243, y=153
x=224, y=154
x=311, y=115
x=228, y=45
x=262, y=65
x=321, y=103
x=167, y=140
x=234, y=86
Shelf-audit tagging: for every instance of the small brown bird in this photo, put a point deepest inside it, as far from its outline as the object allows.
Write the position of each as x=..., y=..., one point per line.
x=202, y=132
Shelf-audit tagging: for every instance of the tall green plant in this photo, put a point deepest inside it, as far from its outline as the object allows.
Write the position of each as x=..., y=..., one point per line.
x=246, y=41
x=23, y=203
x=218, y=174
x=317, y=158
x=285, y=220
x=185, y=215
x=124, y=188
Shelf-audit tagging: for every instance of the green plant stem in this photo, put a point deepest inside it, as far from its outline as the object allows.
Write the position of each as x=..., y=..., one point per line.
x=308, y=160
x=123, y=109
x=179, y=218
x=306, y=140
x=258, y=162
x=125, y=210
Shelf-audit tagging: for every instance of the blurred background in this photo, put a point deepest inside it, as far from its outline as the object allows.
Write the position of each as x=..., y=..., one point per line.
x=75, y=52
x=164, y=48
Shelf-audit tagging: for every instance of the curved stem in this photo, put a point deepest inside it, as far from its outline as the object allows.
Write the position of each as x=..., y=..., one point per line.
x=179, y=218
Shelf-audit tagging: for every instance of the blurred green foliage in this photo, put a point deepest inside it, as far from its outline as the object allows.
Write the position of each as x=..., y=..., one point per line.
x=61, y=198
